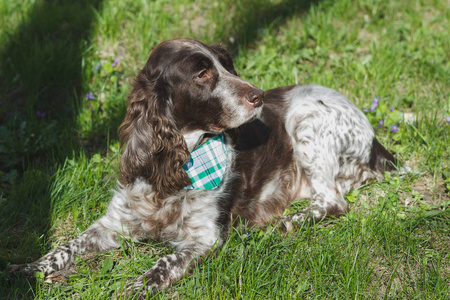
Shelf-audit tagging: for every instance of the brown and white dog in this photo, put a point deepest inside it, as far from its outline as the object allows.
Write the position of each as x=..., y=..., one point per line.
x=306, y=141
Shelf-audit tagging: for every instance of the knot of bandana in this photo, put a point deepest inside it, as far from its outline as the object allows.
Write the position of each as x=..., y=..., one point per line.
x=207, y=164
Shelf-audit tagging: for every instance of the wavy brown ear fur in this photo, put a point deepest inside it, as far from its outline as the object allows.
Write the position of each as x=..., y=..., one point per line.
x=154, y=148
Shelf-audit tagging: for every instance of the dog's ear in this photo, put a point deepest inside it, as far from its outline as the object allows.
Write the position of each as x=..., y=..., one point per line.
x=224, y=57
x=154, y=149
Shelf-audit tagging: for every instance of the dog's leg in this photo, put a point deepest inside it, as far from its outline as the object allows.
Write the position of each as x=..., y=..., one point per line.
x=197, y=239
x=168, y=269
x=326, y=200
x=100, y=236
x=320, y=166
x=96, y=238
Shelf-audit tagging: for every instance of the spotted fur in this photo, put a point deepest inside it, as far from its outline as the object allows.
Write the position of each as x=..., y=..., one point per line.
x=307, y=141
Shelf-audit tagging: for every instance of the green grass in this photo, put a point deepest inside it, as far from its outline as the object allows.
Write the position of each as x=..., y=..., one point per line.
x=59, y=150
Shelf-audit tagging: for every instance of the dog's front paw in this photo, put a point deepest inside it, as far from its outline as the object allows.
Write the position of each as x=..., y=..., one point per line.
x=22, y=270
x=167, y=270
x=149, y=284
x=15, y=269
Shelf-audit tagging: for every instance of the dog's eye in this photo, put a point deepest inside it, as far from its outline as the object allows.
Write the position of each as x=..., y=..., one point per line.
x=202, y=74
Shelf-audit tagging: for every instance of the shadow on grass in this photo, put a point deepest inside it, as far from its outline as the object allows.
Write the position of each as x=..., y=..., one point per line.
x=41, y=81
x=252, y=17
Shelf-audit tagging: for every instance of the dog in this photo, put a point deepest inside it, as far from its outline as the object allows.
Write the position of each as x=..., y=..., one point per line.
x=272, y=148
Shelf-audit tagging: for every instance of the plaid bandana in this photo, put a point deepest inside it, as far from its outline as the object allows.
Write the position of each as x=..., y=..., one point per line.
x=207, y=164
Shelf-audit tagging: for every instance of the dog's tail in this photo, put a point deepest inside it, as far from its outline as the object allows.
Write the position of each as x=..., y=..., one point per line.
x=381, y=160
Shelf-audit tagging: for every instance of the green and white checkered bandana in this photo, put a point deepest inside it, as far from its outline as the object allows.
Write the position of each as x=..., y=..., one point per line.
x=207, y=164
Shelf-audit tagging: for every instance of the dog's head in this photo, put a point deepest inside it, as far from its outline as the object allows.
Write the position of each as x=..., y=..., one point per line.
x=186, y=89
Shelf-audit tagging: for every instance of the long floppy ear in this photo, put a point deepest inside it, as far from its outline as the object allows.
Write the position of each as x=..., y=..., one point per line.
x=154, y=148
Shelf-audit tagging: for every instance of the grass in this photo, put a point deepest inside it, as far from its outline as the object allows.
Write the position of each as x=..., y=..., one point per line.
x=59, y=149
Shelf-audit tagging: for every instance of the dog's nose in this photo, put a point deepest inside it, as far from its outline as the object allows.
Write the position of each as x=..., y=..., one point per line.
x=255, y=97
